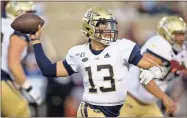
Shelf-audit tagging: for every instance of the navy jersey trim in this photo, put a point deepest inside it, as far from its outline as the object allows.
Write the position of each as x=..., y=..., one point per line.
x=95, y=52
x=85, y=110
x=175, y=52
x=23, y=36
x=135, y=55
x=68, y=68
x=108, y=111
x=81, y=110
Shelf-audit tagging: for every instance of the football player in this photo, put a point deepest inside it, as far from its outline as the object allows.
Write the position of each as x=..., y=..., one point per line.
x=166, y=49
x=14, y=48
x=103, y=64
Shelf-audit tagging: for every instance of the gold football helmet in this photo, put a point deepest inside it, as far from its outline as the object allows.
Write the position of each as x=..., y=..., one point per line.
x=15, y=8
x=169, y=26
x=100, y=25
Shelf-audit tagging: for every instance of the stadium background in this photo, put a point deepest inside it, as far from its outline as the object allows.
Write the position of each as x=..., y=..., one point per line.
x=137, y=21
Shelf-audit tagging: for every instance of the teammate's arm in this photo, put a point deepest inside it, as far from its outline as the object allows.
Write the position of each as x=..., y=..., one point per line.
x=48, y=69
x=151, y=71
x=16, y=47
x=158, y=93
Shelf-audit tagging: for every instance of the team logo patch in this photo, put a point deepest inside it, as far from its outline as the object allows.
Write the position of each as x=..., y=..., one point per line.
x=85, y=59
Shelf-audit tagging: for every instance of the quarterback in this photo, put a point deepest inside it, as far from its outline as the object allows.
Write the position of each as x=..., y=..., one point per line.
x=14, y=49
x=166, y=49
x=103, y=64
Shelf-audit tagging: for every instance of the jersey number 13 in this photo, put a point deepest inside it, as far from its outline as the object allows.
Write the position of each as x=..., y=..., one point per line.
x=106, y=78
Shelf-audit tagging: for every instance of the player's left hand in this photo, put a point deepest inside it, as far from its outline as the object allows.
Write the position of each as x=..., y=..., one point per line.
x=146, y=76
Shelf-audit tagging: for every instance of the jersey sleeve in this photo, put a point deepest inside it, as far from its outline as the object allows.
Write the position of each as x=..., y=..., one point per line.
x=22, y=36
x=130, y=51
x=70, y=62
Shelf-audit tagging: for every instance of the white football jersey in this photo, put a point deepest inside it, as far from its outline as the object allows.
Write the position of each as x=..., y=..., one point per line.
x=104, y=75
x=6, y=32
x=181, y=57
x=161, y=48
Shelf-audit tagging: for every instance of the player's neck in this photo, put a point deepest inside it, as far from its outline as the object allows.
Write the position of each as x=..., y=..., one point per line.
x=97, y=45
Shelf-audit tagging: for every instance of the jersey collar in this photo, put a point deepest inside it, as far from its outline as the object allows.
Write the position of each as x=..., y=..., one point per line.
x=95, y=52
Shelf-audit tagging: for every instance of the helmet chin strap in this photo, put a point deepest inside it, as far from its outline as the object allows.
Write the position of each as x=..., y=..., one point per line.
x=105, y=42
x=102, y=40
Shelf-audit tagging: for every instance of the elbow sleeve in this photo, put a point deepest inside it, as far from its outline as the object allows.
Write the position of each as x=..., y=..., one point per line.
x=47, y=68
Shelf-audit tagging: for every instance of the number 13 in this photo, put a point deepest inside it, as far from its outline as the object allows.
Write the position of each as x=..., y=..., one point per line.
x=106, y=78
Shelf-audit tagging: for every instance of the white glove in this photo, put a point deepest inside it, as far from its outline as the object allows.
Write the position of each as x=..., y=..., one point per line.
x=146, y=76
x=156, y=71
x=33, y=94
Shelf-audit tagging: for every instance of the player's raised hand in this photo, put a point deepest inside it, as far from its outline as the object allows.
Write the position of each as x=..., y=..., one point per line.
x=169, y=104
x=36, y=36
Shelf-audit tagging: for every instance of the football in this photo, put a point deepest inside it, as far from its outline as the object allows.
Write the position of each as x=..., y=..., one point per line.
x=27, y=23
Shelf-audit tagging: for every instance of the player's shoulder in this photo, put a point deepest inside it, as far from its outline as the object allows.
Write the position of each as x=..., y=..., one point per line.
x=159, y=46
x=78, y=49
x=123, y=43
x=157, y=40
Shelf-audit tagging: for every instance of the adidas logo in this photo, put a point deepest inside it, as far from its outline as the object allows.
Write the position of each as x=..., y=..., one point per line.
x=107, y=55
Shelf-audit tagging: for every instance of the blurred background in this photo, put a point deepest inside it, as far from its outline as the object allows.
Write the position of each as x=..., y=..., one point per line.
x=137, y=21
